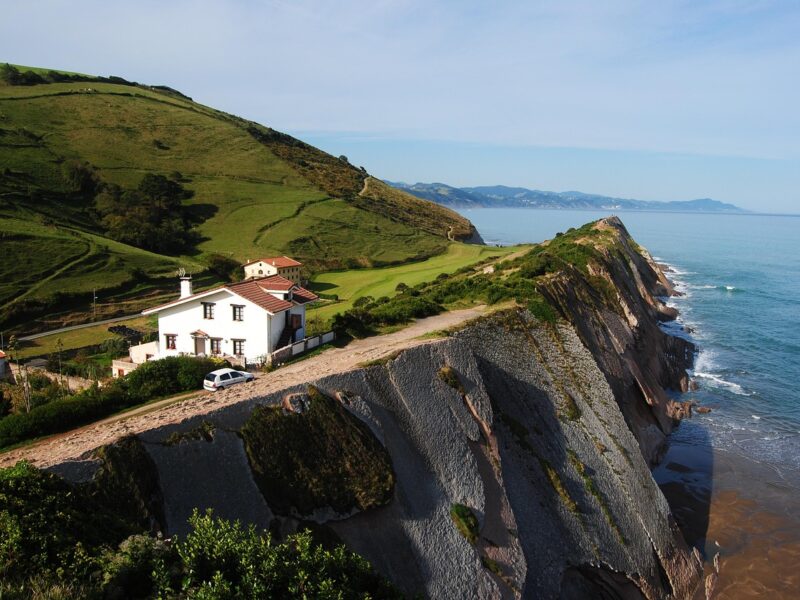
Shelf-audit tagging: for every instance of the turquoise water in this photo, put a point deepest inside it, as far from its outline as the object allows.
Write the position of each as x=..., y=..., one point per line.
x=740, y=276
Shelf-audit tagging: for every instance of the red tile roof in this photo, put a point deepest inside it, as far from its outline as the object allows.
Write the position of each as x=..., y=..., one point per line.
x=302, y=295
x=276, y=283
x=256, y=291
x=251, y=290
x=278, y=261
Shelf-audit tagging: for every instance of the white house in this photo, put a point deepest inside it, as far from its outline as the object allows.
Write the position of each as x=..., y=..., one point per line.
x=247, y=320
x=278, y=265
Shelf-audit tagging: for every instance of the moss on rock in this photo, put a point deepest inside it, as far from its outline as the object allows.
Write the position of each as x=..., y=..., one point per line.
x=324, y=457
x=466, y=522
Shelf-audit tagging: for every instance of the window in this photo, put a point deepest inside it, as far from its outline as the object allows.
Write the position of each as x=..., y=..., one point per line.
x=238, y=347
x=216, y=346
x=261, y=271
x=225, y=377
x=208, y=310
x=171, y=340
x=238, y=312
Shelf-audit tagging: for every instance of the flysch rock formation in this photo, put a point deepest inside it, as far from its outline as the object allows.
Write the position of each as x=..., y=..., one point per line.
x=535, y=446
x=640, y=361
x=543, y=431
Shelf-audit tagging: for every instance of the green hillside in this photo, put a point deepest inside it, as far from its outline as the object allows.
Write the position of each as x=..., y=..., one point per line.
x=66, y=138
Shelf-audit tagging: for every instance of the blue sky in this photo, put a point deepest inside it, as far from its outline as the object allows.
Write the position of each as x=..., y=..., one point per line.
x=651, y=100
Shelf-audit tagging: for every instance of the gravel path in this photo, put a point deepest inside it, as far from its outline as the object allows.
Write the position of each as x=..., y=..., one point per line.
x=65, y=446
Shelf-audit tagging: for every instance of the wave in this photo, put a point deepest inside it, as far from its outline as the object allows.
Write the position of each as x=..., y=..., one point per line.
x=720, y=382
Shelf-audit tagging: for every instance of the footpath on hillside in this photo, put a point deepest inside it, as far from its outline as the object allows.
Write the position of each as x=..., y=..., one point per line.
x=75, y=443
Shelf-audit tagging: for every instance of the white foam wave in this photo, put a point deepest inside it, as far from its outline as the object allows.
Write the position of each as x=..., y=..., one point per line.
x=730, y=288
x=720, y=382
x=756, y=417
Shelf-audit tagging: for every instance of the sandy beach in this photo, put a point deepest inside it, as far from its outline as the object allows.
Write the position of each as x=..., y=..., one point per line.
x=743, y=511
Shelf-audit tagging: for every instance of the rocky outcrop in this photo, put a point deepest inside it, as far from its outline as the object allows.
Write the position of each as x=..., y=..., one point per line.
x=616, y=310
x=509, y=417
x=507, y=460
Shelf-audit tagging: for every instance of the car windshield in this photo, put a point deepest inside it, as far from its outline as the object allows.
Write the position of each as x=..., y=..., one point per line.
x=240, y=373
x=211, y=377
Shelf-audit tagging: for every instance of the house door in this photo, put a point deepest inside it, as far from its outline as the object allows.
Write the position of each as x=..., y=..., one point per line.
x=297, y=321
x=199, y=346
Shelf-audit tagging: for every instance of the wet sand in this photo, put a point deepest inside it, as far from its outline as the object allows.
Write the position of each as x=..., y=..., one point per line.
x=743, y=511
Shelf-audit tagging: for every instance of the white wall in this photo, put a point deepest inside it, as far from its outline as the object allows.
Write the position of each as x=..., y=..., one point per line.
x=290, y=273
x=140, y=352
x=265, y=268
x=185, y=318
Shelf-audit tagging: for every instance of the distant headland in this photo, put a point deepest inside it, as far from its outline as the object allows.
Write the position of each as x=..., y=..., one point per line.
x=500, y=196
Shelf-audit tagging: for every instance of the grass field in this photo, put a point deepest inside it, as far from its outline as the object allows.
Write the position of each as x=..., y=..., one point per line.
x=353, y=284
x=79, y=338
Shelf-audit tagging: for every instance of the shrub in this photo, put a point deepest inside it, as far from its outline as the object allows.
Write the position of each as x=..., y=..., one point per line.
x=169, y=375
x=220, y=555
x=56, y=541
x=46, y=523
x=151, y=380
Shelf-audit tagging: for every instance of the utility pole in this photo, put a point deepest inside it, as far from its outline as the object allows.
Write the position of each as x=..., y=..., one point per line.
x=94, y=304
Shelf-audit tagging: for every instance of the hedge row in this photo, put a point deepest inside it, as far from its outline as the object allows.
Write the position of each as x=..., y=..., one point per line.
x=151, y=380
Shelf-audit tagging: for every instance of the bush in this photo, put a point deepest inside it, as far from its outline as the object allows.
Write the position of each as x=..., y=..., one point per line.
x=46, y=523
x=151, y=380
x=169, y=375
x=220, y=555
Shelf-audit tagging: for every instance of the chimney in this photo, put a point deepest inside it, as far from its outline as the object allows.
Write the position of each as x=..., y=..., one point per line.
x=186, y=286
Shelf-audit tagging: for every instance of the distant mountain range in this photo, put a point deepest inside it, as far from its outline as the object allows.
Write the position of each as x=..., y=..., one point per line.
x=500, y=196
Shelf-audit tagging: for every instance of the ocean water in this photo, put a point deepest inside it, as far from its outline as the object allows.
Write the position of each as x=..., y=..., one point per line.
x=740, y=276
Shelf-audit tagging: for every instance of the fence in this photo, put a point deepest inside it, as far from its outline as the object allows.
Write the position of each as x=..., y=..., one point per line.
x=287, y=352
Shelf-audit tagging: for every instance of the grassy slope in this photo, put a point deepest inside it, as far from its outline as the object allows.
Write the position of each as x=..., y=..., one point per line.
x=261, y=192
x=353, y=284
x=79, y=338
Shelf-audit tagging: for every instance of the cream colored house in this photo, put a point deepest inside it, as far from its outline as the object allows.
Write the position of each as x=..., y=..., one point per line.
x=278, y=265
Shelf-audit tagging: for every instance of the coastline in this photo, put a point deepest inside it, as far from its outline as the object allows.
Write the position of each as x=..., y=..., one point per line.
x=742, y=515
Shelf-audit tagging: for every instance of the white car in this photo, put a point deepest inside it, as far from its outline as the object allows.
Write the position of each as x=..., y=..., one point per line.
x=222, y=378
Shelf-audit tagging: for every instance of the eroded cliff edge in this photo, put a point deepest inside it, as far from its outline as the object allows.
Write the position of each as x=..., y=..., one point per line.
x=539, y=429
x=616, y=311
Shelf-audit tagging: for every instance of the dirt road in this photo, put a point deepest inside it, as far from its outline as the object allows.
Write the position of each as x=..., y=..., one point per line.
x=174, y=410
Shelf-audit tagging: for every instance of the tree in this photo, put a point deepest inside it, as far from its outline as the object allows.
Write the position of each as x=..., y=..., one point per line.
x=79, y=176
x=152, y=216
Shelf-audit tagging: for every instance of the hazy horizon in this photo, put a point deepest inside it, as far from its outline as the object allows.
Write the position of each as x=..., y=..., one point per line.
x=666, y=101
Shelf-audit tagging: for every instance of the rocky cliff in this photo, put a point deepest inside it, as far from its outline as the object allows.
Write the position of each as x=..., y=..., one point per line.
x=509, y=459
x=616, y=311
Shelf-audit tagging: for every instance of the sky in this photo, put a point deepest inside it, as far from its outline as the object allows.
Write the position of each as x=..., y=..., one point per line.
x=666, y=100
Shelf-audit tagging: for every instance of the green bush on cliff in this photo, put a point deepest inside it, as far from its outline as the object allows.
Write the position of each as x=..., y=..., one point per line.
x=50, y=528
x=322, y=457
x=60, y=541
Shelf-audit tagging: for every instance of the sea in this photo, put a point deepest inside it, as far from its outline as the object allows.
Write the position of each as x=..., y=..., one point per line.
x=740, y=280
